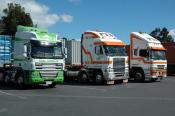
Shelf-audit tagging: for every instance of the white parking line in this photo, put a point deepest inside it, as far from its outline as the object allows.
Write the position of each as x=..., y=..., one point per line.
x=101, y=97
x=90, y=88
x=15, y=95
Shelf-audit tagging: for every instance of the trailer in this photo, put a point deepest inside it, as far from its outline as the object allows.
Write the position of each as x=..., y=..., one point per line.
x=98, y=57
x=5, y=53
x=33, y=57
x=147, y=59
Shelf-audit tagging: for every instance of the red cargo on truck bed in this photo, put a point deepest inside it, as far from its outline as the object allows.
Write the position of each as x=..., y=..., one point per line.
x=170, y=54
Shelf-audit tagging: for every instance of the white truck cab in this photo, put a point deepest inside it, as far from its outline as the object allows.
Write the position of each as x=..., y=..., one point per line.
x=37, y=58
x=147, y=60
x=105, y=56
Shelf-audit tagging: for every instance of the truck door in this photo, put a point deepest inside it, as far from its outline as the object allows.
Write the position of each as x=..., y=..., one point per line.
x=99, y=57
x=99, y=53
x=144, y=53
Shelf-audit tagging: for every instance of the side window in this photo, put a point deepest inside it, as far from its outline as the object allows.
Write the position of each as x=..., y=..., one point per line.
x=98, y=50
x=135, y=52
x=144, y=53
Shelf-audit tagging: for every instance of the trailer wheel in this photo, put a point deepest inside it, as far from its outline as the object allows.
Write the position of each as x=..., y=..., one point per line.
x=99, y=80
x=83, y=77
x=20, y=81
x=139, y=76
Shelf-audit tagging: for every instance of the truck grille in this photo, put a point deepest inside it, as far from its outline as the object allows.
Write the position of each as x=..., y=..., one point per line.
x=48, y=70
x=119, y=65
x=48, y=73
x=161, y=66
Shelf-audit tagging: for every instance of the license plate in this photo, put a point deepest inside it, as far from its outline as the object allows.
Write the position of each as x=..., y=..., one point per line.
x=48, y=82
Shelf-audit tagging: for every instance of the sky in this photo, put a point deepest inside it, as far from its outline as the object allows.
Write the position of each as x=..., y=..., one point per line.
x=70, y=18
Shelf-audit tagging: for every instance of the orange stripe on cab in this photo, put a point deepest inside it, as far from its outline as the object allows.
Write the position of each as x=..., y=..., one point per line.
x=156, y=62
x=99, y=62
x=93, y=35
x=87, y=53
x=158, y=48
x=110, y=43
x=145, y=62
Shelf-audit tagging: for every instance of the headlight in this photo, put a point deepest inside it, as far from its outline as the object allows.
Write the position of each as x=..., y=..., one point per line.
x=38, y=63
x=59, y=65
x=35, y=74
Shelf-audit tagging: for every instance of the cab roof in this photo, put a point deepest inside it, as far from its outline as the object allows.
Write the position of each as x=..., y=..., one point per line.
x=99, y=34
x=146, y=37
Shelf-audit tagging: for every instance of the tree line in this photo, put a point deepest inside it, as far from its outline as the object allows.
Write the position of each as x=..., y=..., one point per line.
x=15, y=15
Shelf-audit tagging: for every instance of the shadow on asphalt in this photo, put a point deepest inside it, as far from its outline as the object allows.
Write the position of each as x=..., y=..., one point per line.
x=72, y=83
x=76, y=83
x=132, y=81
x=15, y=87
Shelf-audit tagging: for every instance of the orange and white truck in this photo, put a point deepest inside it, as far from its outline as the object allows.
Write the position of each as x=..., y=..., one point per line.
x=99, y=57
x=147, y=59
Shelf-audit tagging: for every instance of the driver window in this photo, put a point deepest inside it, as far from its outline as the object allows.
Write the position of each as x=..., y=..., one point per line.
x=98, y=50
x=135, y=52
x=144, y=53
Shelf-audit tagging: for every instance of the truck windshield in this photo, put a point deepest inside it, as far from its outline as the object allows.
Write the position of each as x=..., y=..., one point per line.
x=115, y=50
x=46, y=50
x=158, y=55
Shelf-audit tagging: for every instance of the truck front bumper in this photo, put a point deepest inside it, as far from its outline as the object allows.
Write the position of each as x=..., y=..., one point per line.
x=155, y=74
x=34, y=81
x=35, y=78
x=109, y=76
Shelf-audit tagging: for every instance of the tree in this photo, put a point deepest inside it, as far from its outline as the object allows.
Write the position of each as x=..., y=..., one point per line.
x=2, y=26
x=14, y=15
x=162, y=35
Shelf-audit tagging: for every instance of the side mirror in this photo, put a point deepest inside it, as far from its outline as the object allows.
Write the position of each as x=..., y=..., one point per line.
x=25, y=51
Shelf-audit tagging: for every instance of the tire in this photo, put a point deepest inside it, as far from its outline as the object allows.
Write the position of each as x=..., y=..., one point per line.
x=6, y=79
x=138, y=76
x=20, y=82
x=99, y=79
x=83, y=77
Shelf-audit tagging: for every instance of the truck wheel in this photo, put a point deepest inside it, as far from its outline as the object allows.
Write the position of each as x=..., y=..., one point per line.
x=6, y=79
x=83, y=77
x=20, y=82
x=99, y=80
x=138, y=76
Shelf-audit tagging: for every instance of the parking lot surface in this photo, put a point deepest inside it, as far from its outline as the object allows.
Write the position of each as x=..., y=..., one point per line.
x=73, y=99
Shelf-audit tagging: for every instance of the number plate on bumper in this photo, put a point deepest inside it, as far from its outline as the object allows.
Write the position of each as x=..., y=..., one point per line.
x=48, y=82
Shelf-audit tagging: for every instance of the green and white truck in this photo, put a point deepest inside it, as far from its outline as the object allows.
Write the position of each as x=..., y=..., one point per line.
x=37, y=58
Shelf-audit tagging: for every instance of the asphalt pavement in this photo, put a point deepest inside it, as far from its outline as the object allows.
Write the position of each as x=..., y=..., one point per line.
x=73, y=99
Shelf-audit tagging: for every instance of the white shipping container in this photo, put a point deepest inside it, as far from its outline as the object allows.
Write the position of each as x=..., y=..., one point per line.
x=73, y=52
